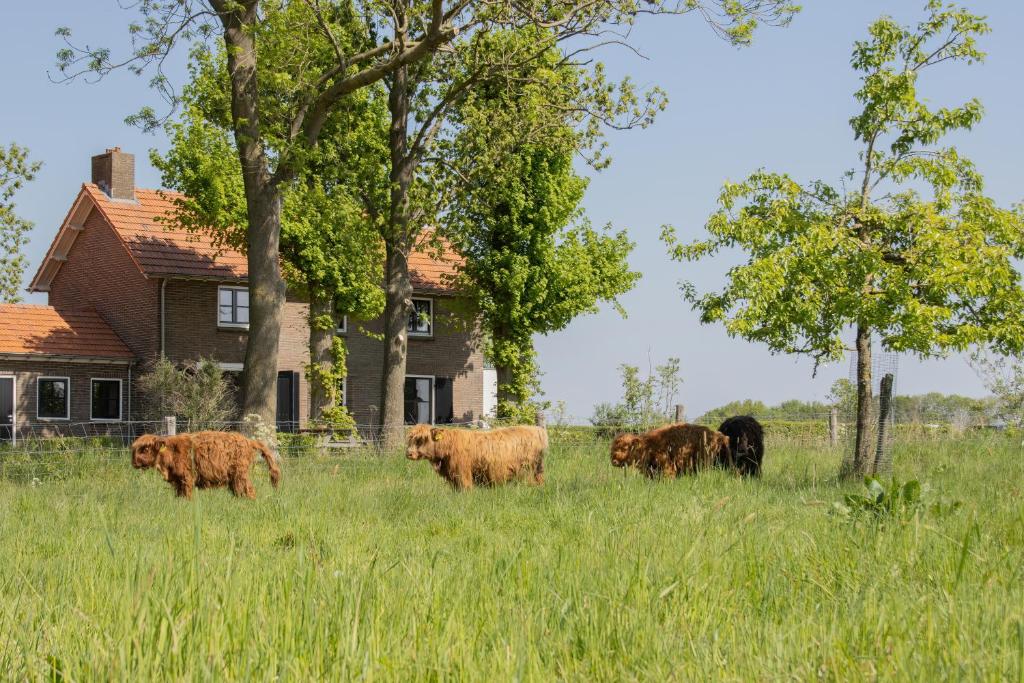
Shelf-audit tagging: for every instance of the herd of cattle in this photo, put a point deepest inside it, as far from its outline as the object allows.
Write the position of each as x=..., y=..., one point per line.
x=464, y=458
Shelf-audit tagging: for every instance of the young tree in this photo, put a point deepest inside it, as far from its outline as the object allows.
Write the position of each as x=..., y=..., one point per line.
x=532, y=262
x=397, y=34
x=915, y=255
x=1004, y=377
x=15, y=171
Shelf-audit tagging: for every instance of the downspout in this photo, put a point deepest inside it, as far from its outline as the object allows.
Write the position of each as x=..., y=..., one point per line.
x=130, y=393
x=163, y=318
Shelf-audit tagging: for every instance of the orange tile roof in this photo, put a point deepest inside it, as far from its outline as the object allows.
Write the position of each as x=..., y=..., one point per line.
x=157, y=246
x=162, y=250
x=44, y=330
x=433, y=274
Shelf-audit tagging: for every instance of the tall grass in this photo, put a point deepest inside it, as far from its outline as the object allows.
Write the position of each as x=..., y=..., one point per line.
x=371, y=568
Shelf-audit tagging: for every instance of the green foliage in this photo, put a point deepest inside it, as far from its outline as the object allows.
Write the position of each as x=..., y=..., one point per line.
x=927, y=272
x=532, y=262
x=893, y=501
x=328, y=243
x=916, y=254
x=924, y=408
x=1004, y=377
x=15, y=171
x=197, y=393
x=336, y=415
x=646, y=402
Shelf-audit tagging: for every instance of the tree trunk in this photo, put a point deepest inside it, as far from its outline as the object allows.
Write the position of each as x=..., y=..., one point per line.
x=263, y=206
x=397, y=305
x=321, y=356
x=862, y=450
x=505, y=397
x=398, y=284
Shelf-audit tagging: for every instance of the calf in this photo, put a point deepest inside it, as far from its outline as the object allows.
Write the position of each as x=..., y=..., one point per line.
x=671, y=450
x=466, y=457
x=204, y=460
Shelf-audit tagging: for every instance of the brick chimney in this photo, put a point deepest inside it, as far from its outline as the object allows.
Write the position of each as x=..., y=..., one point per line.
x=114, y=173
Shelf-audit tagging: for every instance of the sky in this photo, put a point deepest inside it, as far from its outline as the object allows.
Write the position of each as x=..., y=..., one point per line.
x=782, y=104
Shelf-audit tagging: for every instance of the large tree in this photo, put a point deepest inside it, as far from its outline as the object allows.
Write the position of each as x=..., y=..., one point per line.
x=317, y=87
x=15, y=171
x=915, y=255
x=329, y=246
x=434, y=173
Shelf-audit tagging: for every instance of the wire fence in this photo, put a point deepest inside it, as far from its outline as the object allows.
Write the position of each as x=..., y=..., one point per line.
x=833, y=429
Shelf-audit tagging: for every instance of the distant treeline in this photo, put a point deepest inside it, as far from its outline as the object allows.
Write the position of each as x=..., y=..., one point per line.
x=922, y=409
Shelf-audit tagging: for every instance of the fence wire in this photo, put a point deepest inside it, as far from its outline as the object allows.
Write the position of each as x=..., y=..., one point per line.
x=79, y=444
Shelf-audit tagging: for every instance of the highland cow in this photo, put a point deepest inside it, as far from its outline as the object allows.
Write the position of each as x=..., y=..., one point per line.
x=746, y=443
x=466, y=457
x=204, y=460
x=671, y=450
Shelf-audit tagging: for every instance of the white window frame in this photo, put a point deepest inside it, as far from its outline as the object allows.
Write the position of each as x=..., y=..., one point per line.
x=120, y=399
x=344, y=391
x=231, y=325
x=67, y=399
x=343, y=327
x=423, y=335
x=433, y=397
x=14, y=406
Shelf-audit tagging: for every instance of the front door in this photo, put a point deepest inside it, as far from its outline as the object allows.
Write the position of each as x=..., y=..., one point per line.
x=6, y=408
x=287, y=401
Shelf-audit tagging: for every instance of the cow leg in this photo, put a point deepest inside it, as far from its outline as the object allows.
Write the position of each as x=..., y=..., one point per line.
x=242, y=487
x=462, y=479
x=184, y=487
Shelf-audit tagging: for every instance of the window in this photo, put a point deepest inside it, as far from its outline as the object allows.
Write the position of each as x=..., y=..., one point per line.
x=419, y=400
x=233, y=308
x=343, y=325
x=343, y=392
x=106, y=400
x=421, y=318
x=53, y=398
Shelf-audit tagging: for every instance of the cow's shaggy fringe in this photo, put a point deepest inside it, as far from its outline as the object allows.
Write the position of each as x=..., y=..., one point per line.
x=746, y=443
x=204, y=460
x=671, y=450
x=466, y=457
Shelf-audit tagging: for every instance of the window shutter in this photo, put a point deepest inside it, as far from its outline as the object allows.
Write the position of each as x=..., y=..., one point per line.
x=443, y=397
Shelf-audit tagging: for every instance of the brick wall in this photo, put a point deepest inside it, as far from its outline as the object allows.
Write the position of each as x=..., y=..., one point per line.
x=26, y=374
x=100, y=273
x=192, y=332
x=452, y=351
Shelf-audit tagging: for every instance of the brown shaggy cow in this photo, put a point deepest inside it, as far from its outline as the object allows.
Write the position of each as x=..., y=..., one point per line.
x=672, y=450
x=204, y=460
x=465, y=457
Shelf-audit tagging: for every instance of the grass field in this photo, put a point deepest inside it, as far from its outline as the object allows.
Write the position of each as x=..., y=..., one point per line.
x=370, y=568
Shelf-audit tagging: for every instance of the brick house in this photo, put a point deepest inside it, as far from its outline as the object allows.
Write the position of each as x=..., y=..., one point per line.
x=116, y=273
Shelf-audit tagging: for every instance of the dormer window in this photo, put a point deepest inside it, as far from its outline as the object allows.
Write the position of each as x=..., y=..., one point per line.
x=233, y=307
x=421, y=318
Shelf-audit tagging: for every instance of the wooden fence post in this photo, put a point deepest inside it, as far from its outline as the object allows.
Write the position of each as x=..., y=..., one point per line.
x=884, y=412
x=170, y=425
x=680, y=413
x=833, y=426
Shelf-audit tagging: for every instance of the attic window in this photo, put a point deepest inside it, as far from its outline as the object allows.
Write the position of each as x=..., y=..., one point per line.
x=233, y=307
